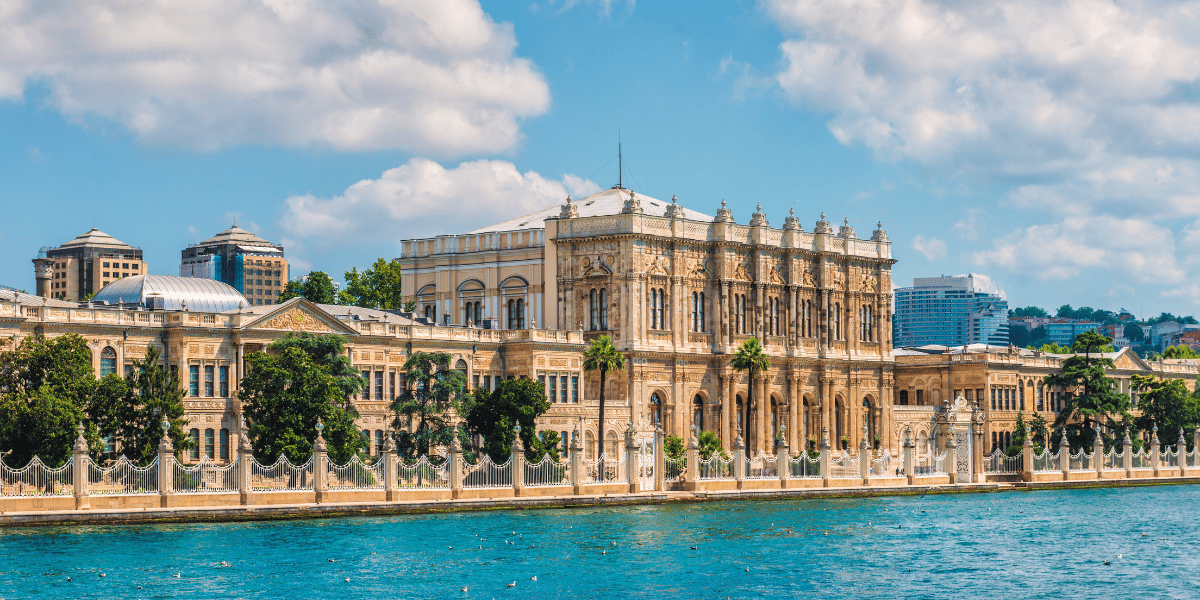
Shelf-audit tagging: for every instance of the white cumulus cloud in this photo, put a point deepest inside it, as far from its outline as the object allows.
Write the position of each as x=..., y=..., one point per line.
x=436, y=78
x=930, y=248
x=421, y=198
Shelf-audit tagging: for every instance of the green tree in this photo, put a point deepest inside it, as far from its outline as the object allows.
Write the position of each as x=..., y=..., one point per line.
x=1038, y=428
x=377, y=287
x=674, y=447
x=602, y=356
x=751, y=358
x=283, y=396
x=431, y=391
x=1133, y=332
x=1052, y=348
x=328, y=351
x=292, y=289
x=152, y=395
x=1094, y=399
x=317, y=287
x=1180, y=351
x=1166, y=403
x=1020, y=432
x=47, y=387
x=1029, y=311
x=492, y=415
x=710, y=443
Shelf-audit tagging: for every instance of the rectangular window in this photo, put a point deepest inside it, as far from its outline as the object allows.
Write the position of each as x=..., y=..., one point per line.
x=575, y=389
x=124, y=265
x=106, y=273
x=553, y=388
x=392, y=383
x=106, y=266
x=378, y=442
x=979, y=396
x=542, y=380
x=475, y=382
x=224, y=374
x=224, y=444
x=366, y=385
x=209, y=443
x=920, y=397
x=195, y=435
x=562, y=394
x=208, y=381
x=958, y=393
x=487, y=382
x=194, y=380
x=135, y=266
x=379, y=385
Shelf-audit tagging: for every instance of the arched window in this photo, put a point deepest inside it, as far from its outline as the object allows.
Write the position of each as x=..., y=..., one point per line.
x=473, y=312
x=594, y=312
x=653, y=308
x=866, y=334
x=741, y=313
x=700, y=310
x=774, y=420
x=806, y=319
x=516, y=313
x=868, y=422
x=698, y=413
x=655, y=410
x=603, y=309
x=695, y=311
x=108, y=361
x=775, y=316
x=741, y=427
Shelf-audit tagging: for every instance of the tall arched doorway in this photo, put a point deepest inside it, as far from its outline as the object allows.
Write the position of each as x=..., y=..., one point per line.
x=698, y=413
x=655, y=411
x=869, y=421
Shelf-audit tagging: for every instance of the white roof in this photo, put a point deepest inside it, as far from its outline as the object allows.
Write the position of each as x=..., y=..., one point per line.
x=201, y=295
x=608, y=202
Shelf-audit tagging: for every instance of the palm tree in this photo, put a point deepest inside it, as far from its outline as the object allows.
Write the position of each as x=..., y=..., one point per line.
x=602, y=356
x=750, y=357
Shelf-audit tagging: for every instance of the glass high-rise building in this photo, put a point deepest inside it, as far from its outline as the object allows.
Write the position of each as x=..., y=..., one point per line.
x=252, y=265
x=951, y=311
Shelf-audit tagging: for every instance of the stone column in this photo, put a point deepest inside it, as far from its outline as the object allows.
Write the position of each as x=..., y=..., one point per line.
x=390, y=484
x=908, y=455
x=1064, y=455
x=1098, y=453
x=576, y=463
x=1127, y=454
x=660, y=463
x=320, y=470
x=952, y=455
x=1155, y=452
x=783, y=460
x=739, y=461
x=826, y=473
x=166, y=467
x=517, y=464
x=245, y=472
x=632, y=468
x=1181, y=454
x=864, y=458
x=456, y=469
x=691, y=472
x=1027, y=459
x=80, y=458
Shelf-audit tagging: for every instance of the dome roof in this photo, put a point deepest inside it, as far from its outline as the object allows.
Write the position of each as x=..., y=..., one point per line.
x=95, y=237
x=235, y=234
x=200, y=295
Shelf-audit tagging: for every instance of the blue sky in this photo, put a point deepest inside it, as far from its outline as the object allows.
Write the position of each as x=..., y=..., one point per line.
x=1050, y=146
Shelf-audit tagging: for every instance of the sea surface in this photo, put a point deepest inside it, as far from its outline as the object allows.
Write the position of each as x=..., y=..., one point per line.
x=1045, y=544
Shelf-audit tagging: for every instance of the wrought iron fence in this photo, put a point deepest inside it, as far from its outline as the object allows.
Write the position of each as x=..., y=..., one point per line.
x=844, y=466
x=716, y=468
x=123, y=478
x=354, y=475
x=547, y=472
x=282, y=476
x=762, y=466
x=673, y=469
x=881, y=465
x=425, y=473
x=486, y=474
x=204, y=477
x=1081, y=461
x=36, y=479
x=804, y=467
x=1001, y=463
x=1142, y=460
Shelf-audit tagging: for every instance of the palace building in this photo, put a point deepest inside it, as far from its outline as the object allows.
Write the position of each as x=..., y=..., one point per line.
x=679, y=291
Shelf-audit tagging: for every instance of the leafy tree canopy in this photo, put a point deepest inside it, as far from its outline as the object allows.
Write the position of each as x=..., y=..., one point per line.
x=318, y=288
x=283, y=396
x=376, y=287
x=673, y=447
x=710, y=443
x=1028, y=311
x=328, y=351
x=1051, y=348
x=1092, y=396
x=603, y=357
x=1133, y=332
x=431, y=391
x=1167, y=404
x=492, y=415
x=152, y=394
x=47, y=387
x=1180, y=351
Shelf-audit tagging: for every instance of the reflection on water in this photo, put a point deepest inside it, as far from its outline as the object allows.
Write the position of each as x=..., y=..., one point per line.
x=998, y=545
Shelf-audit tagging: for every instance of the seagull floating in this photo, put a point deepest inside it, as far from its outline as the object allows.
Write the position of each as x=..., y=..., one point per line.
x=103, y=575
x=1106, y=562
x=464, y=588
x=693, y=547
x=347, y=580
x=534, y=578
x=747, y=569
x=331, y=560
x=450, y=547
x=176, y=575
x=513, y=584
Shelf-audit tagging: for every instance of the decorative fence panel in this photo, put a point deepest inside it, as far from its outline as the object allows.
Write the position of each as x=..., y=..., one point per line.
x=1169, y=458
x=716, y=468
x=282, y=476
x=1141, y=460
x=805, y=467
x=673, y=469
x=1001, y=463
x=36, y=479
x=762, y=466
x=883, y=465
x=424, y=474
x=354, y=475
x=123, y=478
x=486, y=474
x=1191, y=457
x=204, y=478
x=843, y=466
x=1081, y=461
x=614, y=469
x=1113, y=461
x=547, y=473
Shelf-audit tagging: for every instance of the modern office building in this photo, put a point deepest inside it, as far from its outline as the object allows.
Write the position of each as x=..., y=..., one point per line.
x=1064, y=331
x=84, y=265
x=951, y=311
x=242, y=260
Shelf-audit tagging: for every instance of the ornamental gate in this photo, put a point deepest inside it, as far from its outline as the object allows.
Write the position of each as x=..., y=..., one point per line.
x=966, y=452
x=645, y=465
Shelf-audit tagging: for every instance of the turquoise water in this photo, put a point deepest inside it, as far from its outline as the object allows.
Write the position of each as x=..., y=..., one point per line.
x=1001, y=545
